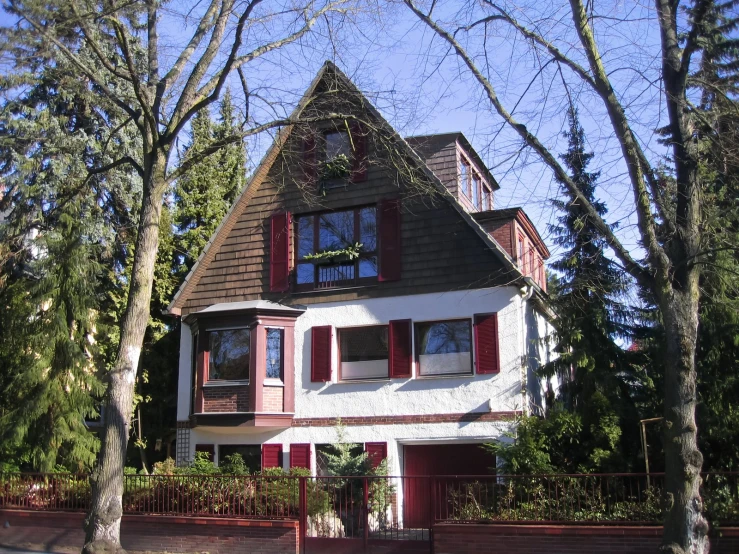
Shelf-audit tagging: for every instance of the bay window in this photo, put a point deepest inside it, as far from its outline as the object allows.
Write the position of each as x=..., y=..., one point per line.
x=444, y=347
x=228, y=354
x=274, y=353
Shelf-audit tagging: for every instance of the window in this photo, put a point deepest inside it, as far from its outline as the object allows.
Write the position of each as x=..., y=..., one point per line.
x=531, y=262
x=229, y=352
x=444, y=347
x=337, y=232
x=250, y=453
x=476, y=190
x=521, y=252
x=464, y=177
x=274, y=353
x=363, y=352
x=487, y=199
x=338, y=143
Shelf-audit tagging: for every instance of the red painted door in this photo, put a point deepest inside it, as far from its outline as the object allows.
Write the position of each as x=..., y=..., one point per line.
x=432, y=460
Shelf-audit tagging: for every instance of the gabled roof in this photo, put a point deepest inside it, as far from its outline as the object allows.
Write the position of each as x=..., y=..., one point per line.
x=219, y=236
x=428, y=145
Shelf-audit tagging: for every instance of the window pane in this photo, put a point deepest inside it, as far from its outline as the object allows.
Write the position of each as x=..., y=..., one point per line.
x=229, y=354
x=464, y=178
x=368, y=267
x=305, y=274
x=337, y=143
x=250, y=453
x=368, y=229
x=274, y=353
x=364, y=352
x=336, y=230
x=444, y=347
x=486, y=204
x=476, y=190
x=305, y=236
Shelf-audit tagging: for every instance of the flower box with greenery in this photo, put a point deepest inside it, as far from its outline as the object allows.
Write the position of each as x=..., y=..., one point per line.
x=334, y=173
x=348, y=254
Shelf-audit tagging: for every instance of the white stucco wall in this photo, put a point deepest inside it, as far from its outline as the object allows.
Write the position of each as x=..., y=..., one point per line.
x=427, y=395
x=518, y=324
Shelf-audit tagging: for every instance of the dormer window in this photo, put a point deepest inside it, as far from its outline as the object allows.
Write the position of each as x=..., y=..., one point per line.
x=336, y=249
x=464, y=177
x=476, y=191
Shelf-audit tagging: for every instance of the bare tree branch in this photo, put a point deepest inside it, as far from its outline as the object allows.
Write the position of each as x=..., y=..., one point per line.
x=632, y=266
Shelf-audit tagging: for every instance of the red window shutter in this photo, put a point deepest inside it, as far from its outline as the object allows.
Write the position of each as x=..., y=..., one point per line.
x=320, y=356
x=400, y=352
x=271, y=455
x=359, y=140
x=310, y=165
x=300, y=455
x=389, y=240
x=209, y=449
x=376, y=452
x=486, y=343
x=279, y=261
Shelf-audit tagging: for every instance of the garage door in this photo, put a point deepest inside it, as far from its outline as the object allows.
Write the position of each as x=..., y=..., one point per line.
x=433, y=460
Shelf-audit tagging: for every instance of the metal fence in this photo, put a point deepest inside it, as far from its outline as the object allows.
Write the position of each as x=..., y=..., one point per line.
x=382, y=507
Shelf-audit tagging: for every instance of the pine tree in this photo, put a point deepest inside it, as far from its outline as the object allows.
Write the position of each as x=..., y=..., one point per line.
x=204, y=195
x=58, y=238
x=597, y=374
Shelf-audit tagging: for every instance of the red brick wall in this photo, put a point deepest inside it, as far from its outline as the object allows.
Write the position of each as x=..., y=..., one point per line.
x=226, y=399
x=272, y=399
x=57, y=531
x=570, y=539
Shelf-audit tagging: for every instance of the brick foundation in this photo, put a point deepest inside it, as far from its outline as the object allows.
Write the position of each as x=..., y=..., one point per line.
x=570, y=539
x=62, y=532
x=226, y=399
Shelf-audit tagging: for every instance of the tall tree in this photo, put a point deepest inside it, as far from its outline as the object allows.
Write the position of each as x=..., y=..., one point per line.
x=667, y=200
x=204, y=195
x=57, y=232
x=161, y=102
x=598, y=376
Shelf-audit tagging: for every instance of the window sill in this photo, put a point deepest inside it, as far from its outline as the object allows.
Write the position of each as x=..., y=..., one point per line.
x=333, y=289
x=449, y=376
x=273, y=382
x=234, y=383
x=357, y=381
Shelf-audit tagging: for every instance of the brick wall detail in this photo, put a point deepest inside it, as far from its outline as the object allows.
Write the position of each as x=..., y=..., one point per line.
x=226, y=399
x=56, y=530
x=571, y=539
x=405, y=419
x=272, y=399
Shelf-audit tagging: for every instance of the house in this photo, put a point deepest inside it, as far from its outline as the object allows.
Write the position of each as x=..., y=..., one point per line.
x=369, y=278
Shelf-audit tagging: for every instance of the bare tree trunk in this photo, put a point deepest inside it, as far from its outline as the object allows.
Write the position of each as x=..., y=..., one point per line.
x=685, y=527
x=103, y=523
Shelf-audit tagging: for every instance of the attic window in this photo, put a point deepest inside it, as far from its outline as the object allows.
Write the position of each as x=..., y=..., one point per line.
x=337, y=143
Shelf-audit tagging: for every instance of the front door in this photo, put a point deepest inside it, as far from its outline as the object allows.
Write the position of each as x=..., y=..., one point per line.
x=420, y=461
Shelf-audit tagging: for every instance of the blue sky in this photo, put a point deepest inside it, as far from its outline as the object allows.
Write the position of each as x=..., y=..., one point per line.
x=420, y=88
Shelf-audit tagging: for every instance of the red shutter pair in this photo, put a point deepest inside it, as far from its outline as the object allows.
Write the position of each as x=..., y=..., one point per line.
x=389, y=246
x=399, y=350
x=359, y=166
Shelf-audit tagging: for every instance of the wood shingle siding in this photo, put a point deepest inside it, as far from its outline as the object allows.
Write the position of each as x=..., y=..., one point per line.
x=440, y=250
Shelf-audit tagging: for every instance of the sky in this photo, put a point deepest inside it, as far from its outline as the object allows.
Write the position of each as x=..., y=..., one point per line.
x=422, y=88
